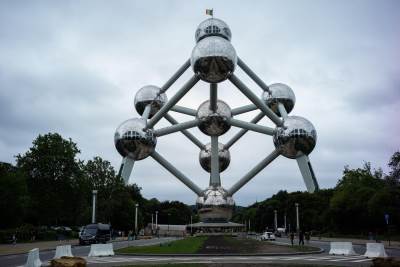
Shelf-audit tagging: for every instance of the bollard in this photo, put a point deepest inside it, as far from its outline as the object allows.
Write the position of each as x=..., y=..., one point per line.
x=33, y=259
x=63, y=251
x=99, y=250
x=375, y=250
x=342, y=248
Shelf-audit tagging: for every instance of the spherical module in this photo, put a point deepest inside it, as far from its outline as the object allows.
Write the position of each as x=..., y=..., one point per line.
x=131, y=140
x=214, y=205
x=213, y=27
x=296, y=137
x=224, y=157
x=213, y=59
x=149, y=94
x=214, y=123
x=279, y=93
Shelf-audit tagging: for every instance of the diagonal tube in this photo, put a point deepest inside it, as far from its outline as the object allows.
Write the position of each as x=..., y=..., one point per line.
x=213, y=97
x=256, y=100
x=176, y=127
x=282, y=110
x=243, y=131
x=184, y=110
x=253, y=172
x=244, y=109
x=252, y=75
x=252, y=127
x=185, y=132
x=214, y=177
x=176, y=76
x=146, y=112
x=185, y=88
x=181, y=177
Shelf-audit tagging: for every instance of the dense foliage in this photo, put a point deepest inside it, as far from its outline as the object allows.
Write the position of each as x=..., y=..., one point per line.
x=357, y=205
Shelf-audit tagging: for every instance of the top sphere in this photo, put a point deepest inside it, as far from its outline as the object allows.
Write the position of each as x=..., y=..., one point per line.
x=296, y=137
x=213, y=27
x=149, y=95
x=279, y=93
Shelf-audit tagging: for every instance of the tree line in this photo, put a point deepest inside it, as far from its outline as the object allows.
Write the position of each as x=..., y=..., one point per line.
x=357, y=205
x=51, y=186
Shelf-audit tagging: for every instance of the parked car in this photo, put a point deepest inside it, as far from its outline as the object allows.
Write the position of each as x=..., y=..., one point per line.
x=268, y=236
x=95, y=233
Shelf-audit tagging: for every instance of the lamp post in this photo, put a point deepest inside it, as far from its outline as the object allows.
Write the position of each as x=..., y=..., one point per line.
x=168, y=224
x=275, y=220
x=136, y=215
x=157, y=222
x=284, y=218
x=191, y=225
x=94, y=206
x=152, y=223
x=297, y=217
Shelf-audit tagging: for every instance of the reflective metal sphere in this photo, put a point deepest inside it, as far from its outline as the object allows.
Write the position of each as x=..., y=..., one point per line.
x=146, y=95
x=224, y=157
x=131, y=141
x=296, y=137
x=214, y=206
x=214, y=123
x=213, y=59
x=279, y=93
x=213, y=27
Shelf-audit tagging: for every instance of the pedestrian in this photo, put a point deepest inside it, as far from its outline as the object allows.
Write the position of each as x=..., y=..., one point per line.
x=308, y=237
x=301, y=238
x=292, y=238
x=14, y=239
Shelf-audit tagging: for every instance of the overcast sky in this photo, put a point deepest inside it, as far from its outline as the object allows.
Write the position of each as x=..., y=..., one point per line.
x=73, y=67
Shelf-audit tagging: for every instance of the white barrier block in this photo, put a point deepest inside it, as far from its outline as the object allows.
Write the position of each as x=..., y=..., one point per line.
x=33, y=258
x=375, y=250
x=342, y=248
x=62, y=251
x=97, y=250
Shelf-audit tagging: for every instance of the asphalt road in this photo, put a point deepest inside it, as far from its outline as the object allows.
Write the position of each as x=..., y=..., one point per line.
x=82, y=251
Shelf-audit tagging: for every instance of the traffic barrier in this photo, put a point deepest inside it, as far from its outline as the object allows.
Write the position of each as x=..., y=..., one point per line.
x=342, y=248
x=33, y=258
x=63, y=251
x=375, y=250
x=97, y=250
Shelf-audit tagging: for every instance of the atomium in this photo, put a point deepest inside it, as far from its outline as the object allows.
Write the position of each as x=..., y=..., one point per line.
x=214, y=60
x=224, y=157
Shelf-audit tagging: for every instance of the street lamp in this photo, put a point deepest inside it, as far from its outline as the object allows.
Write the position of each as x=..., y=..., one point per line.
x=157, y=222
x=94, y=206
x=136, y=215
x=297, y=217
x=276, y=220
x=191, y=225
x=168, y=223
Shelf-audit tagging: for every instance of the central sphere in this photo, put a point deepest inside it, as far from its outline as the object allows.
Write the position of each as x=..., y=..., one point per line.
x=214, y=205
x=132, y=141
x=149, y=94
x=279, y=93
x=224, y=157
x=213, y=27
x=296, y=137
x=214, y=123
x=213, y=59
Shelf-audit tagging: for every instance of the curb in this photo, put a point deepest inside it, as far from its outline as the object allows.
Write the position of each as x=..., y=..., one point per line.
x=321, y=250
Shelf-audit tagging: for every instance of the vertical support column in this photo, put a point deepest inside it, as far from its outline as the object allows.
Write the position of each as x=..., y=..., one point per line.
x=94, y=206
x=297, y=218
x=213, y=96
x=214, y=178
x=276, y=220
x=136, y=221
x=284, y=217
x=152, y=223
x=157, y=222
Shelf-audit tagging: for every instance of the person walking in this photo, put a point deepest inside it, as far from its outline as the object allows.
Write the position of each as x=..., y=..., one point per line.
x=301, y=238
x=292, y=238
x=308, y=237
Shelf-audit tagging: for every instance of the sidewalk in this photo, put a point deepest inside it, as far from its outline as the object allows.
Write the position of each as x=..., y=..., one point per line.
x=393, y=244
x=6, y=249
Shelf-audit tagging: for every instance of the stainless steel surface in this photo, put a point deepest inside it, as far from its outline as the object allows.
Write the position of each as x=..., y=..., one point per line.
x=213, y=59
x=252, y=126
x=213, y=27
x=213, y=96
x=279, y=93
x=149, y=94
x=308, y=173
x=282, y=110
x=256, y=101
x=239, y=134
x=190, y=136
x=214, y=205
x=224, y=157
x=253, y=172
x=214, y=123
x=131, y=140
x=181, y=177
x=296, y=137
x=185, y=88
x=126, y=168
x=176, y=128
x=184, y=110
x=252, y=75
x=214, y=177
x=244, y=109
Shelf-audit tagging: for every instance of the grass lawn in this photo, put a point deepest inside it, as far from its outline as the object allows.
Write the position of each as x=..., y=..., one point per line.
x=187, y=245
